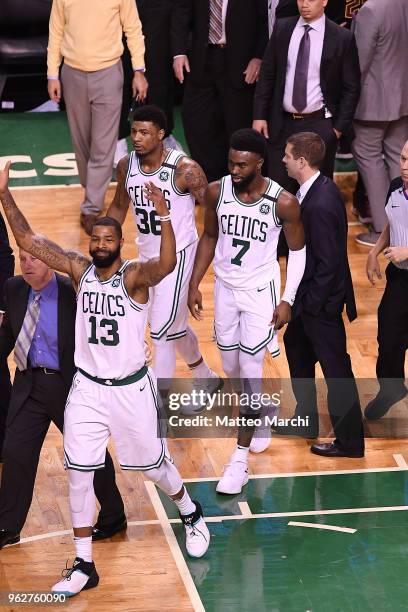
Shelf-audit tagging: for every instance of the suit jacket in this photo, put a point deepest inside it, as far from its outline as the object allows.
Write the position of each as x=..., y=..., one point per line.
x=17, y=293
x=326, y=285
x=382, y=39
x=246, y=27
x=339, y=76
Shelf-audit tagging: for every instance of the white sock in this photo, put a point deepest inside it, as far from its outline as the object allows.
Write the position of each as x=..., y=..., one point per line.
x=185, y=505
x=201, y=370
x=240, y=454
x=83, y=548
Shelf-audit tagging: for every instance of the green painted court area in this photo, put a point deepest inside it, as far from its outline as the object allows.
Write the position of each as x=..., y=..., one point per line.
x=262, y=564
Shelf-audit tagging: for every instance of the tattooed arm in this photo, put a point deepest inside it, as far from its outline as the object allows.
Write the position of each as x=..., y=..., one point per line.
x=140, y=275
x=70, y=262
x=190, y=178
x=120, y=203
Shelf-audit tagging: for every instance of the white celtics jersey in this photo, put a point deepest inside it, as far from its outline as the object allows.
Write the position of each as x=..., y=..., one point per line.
x=246, y=251
x=181, y=205
x=109, y=327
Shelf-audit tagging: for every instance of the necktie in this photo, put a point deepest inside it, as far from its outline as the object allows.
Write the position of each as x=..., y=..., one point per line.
x=215, y=31
x=26, y=334
x=299, y=195
x=299, y=96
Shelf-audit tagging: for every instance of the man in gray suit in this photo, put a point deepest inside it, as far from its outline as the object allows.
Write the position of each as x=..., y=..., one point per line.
x=381, y=118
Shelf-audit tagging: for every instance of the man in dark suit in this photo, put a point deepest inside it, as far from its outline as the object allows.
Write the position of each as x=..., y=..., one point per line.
x=39, y=394
x=6, y=271
x=309, y=81
x=228, y=40
x=316, y=332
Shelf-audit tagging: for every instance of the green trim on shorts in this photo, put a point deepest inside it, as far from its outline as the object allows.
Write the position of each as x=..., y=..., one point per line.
x=117, y=382
x=157, y=335
x=227, y=347
x=81, y=468
x=176, y=336
x=258, y=347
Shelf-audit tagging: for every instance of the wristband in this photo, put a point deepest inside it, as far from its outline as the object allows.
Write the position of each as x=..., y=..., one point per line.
x=166, y=218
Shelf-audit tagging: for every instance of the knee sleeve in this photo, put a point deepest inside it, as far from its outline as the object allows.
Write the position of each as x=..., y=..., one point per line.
x=81, y=498
x=164, y=358
x=251, y=367
x=188, y=347
x=230, y=363
x=166, y=477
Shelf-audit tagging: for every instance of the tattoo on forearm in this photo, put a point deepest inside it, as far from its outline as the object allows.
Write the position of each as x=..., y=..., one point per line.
x=15, y=217
x=194, y=178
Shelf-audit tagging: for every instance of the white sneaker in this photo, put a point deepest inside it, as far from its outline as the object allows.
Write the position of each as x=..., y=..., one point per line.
x=261, y=439
x=197, y=534
x=121, y=151
x=234, y=477
x=80, y=577
x=205, y=387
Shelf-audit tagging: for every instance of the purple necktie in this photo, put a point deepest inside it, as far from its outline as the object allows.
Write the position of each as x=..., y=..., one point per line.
x=299, y=96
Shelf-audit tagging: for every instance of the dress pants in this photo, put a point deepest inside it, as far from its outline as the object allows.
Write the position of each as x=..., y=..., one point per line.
x=24, y=438
x=276, y=150
x=377, y=150
x=212, y=110
x=93, y=101
x=393, y=332
x=322, y=338
x=6, y=271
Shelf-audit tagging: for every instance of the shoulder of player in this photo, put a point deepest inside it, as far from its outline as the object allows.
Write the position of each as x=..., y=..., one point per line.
x=185, y=165
x=286, y=204
x=212, y=193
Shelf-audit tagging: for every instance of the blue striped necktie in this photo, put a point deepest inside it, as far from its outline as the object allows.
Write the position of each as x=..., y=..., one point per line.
x=25, y=337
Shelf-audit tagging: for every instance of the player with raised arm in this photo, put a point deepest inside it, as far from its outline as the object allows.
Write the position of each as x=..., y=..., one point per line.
x=244, y=215
x=113, y=392
x=182, y=182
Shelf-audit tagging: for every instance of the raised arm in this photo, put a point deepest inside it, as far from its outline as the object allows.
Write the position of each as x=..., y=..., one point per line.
x=288, y=211
x=120, y=203
x=54, y=256
x=205, y=249
x=190, y=177
x=141, y=275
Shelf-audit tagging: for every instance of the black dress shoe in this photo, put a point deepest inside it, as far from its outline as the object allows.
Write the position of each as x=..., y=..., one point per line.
x=100, y=532
x=8, y=537
x=381, y=404
x=331, y=449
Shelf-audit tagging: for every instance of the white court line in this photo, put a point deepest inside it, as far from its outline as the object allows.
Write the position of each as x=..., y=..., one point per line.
x=245, y=509
x=174, y=548
x=239, y=517
x=44, y=536
x=318, y=526
x=293, y=474
x=400, y=461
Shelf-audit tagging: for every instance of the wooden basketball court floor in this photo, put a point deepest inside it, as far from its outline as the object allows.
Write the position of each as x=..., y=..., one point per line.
x=266, y=552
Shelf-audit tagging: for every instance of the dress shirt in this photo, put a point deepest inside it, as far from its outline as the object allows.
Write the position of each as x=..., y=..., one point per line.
x=44, y=346
x=272, y=4
x=88, y=34
x=304, y=188
x=315, y=99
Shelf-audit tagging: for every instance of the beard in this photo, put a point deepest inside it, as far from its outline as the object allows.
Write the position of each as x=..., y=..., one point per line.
x=243, y=184
x=106, y=260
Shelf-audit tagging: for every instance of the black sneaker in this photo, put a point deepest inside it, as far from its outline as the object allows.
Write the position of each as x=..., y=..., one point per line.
x=71, y=583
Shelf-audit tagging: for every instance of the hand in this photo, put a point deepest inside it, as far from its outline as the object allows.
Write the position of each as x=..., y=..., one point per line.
x=155, y=195
x=261, y=126
x=338, y=133
x=252, y=71
x=139, y=86
x=372, y=268
x=282, y=315
x=4, y=177
x=180, y=64
x=148, y=353
x=54, y=89
x=195, y=303
x=396, y=254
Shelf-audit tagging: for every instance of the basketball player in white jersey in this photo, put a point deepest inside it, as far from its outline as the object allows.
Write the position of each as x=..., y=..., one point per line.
x=113, y=392
x=182, y=182
x=244, y=215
